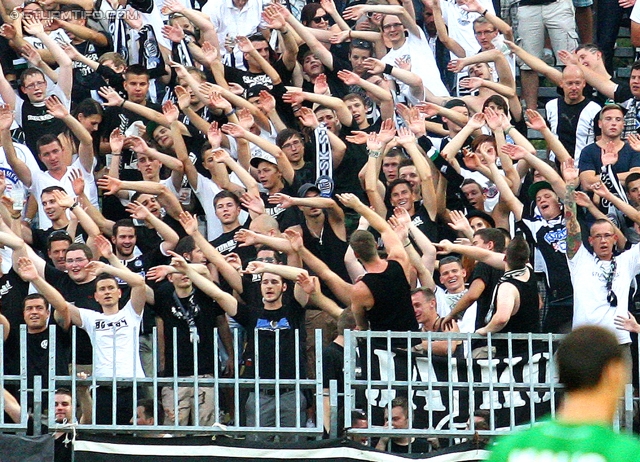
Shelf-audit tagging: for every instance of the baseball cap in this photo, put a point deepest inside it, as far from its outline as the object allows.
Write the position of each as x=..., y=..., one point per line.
x=260, y=156
x=537, y=186
x=305, y=188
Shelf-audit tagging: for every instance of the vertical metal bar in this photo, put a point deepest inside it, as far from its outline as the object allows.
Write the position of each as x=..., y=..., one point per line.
x=236, y=376
x=319, y=383
x=532, y=404
x=256, y=383
x=154, y=355
x=23, y=376
x=552, y=374
x=37, y=405
x=114, y=385
x=492, y=411
x=196, y=376
x=369, y=391
x=349, y=374
x=3, y=372
x=216, y=376
x=628, y=408
x=175, y=377
x=430, y=377
x=333, y=409
x=277, y=385
x=298, y=358
x=51, y=385
x=470, y=383
x=410, y=381
x=512, y=415
x=136, y=358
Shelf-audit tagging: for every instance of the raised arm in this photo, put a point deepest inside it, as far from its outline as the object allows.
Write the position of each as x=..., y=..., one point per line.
x=19, y=167
x=341, y=289
x=393, y=245
x=65, y=72
x=536, y=64
x=65, y=313
x=355, y=12
x=494, y=259
x=85, y=150
x=135, y=281
x=225, y=300
x=574, y=234
x=228, y=272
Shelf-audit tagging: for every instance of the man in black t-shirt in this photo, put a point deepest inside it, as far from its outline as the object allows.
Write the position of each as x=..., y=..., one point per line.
x=483, y=279
x=123, y=113
x=227, y=207
x=194, y=315
x=36, y=314
x=271, y=317
x=12, y=293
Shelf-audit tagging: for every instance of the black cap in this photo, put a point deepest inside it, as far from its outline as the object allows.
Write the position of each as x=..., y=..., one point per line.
x=483, y=215
x=305, y=188
x=255, y=91
x=456, y=102
x=537, y=186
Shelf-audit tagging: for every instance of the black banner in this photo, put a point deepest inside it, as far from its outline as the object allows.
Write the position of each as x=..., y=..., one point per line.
x=15, y=448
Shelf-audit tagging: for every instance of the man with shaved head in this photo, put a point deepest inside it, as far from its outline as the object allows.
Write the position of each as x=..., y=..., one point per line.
x=571, y=117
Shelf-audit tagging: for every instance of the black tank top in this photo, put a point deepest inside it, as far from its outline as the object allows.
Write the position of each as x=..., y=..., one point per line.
x=526, y=319
x=329, y=248
x=392, y=309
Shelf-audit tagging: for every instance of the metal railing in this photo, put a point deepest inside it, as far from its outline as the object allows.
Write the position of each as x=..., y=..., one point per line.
x=442, y=391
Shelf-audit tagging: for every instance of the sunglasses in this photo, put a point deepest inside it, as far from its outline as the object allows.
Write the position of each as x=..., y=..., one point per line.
x=319, y=19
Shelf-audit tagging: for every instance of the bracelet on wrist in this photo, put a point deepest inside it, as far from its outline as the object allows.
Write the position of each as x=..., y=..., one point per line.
x=122, y=103
x=116, y=154
x=233, y=111
x=484, y=13
x=285, y=31
x=506, y=132
x=387, y=69
x=373, y=153
x=16, y=216
x=407, y=244
x=74, y=205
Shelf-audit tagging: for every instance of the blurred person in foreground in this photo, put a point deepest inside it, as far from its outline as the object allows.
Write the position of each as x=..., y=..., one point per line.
x=594, y=370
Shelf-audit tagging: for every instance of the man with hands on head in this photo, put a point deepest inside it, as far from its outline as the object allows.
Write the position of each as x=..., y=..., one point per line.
x=182, y=304
x=373, y=305
x=275, y=315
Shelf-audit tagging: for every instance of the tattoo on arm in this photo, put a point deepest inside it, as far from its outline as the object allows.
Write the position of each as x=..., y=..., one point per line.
x=574, y=235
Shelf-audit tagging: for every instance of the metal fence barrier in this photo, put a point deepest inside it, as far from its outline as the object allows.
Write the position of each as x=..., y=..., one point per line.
x=442, y=392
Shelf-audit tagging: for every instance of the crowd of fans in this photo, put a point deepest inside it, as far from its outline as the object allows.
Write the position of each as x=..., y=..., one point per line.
x=287, y=167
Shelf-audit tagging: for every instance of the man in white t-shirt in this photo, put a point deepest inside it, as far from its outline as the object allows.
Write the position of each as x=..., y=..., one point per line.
x=407, y=41
x=601, y=279
x=51, y=153
x=114, y=332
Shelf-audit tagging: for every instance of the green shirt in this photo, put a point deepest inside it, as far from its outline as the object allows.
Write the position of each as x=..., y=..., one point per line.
x=554, y=441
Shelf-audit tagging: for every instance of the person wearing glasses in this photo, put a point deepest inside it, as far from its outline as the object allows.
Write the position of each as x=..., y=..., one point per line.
x=31, y=113
x=407, y=40
x=601, y=278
